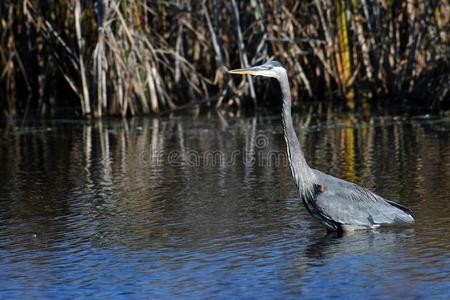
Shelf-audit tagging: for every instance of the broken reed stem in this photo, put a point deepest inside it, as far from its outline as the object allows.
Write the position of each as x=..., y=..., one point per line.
x=241, y=48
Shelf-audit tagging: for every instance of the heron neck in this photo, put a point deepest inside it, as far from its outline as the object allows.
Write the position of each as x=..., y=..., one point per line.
x=302, y=174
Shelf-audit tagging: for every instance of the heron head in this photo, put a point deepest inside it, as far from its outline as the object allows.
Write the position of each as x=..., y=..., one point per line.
x=269, y=69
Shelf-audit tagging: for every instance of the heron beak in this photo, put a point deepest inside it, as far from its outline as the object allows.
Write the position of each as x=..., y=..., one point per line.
x=251, y=71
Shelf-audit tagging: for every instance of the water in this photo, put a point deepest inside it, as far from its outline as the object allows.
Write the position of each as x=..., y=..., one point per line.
x=204, y=207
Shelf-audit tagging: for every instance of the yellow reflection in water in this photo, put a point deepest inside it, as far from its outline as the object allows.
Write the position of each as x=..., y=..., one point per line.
x=349, y=150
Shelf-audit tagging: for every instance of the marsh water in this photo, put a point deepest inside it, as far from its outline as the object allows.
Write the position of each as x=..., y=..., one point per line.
x=203, y=206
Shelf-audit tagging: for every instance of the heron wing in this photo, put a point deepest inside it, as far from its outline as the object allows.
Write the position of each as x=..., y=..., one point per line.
x=349, y=204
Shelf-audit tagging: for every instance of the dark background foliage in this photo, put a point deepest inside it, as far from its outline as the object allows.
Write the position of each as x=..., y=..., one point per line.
x=105, y=57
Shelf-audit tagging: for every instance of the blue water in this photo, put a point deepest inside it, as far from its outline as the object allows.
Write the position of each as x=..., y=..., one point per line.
x=86, y=211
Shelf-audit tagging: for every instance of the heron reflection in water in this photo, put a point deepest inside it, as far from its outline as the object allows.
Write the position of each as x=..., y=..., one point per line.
x=338, y=204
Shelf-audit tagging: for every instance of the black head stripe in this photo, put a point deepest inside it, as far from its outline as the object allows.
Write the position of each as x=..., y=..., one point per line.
x=275, y=63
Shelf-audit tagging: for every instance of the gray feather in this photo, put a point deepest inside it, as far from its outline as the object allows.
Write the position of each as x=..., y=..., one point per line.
x=349, y=204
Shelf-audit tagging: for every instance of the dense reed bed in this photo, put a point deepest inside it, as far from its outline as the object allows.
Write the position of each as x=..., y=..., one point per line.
x=112, y=57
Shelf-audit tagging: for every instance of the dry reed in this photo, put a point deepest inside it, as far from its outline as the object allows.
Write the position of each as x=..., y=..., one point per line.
x=117, y=57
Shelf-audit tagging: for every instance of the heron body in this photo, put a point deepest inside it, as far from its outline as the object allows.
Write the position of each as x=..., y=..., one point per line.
x=338, y=204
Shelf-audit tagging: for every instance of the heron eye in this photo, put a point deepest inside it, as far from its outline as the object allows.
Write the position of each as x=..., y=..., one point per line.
x=269, y=68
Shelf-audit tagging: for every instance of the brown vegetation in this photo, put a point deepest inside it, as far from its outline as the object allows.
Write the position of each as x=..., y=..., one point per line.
x=113, y=57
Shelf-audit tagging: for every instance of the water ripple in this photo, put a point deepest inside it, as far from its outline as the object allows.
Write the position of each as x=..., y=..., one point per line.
x=81, y=215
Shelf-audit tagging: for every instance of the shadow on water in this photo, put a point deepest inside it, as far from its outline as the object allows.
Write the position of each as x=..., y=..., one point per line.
x=204, y=206
x=361, y=242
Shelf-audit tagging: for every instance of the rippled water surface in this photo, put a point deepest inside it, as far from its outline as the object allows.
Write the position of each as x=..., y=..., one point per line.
x=204, y=207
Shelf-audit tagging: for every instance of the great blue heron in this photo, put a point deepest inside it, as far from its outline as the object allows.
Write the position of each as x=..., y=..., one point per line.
x=338, y=204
